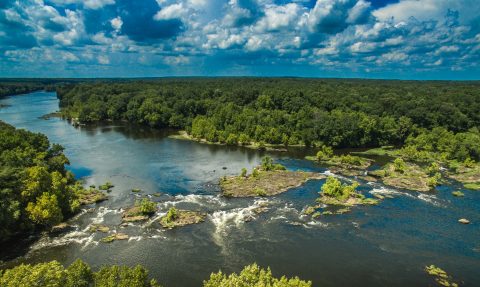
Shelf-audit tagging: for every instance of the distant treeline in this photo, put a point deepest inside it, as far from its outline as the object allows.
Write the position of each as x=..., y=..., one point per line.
x=290, y=111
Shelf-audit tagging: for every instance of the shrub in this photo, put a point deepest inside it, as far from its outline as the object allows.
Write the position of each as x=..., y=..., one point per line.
x=260, y=191
x=244, y=172
x=172, y=214
x=147, y=206
x=325, y=153
x=399, y=165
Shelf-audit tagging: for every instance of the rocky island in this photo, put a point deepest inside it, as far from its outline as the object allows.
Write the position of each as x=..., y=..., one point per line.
x=177, y=217
x=142, y=210
x=266, y=180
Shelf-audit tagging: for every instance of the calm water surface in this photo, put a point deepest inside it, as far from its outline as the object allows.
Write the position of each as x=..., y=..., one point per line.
x=384, y=245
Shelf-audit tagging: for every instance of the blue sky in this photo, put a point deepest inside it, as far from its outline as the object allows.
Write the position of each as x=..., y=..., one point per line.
x=405, y=39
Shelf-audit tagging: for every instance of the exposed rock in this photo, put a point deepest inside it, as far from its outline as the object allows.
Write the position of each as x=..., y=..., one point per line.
x=115, y=236
x=91, y=196
x=134, y=214
x=458, y=193
x=412, y=178
x=98, y=227
x=464, y=221
x=62, y=227
x=181, y=218
x=267, y=183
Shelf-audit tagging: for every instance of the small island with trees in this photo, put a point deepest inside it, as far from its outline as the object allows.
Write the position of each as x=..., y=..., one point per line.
x=266, y=180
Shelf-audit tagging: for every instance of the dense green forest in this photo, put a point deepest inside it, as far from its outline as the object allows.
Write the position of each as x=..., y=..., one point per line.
x=288, y=111
x=79, y=274
x=36, y=190
x=15, y=88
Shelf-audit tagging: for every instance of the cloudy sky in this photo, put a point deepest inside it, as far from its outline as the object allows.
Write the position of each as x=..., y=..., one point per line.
x=407, y=39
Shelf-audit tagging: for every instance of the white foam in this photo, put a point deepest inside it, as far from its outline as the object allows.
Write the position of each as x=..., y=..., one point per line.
x=432, y=199
x=135, y=238
x=198, y=199
x=224, y=219
x=78, y=237
x=102, y=211
x=388, y=191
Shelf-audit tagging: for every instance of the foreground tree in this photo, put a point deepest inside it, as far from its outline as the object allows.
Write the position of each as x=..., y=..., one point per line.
x=253, y=276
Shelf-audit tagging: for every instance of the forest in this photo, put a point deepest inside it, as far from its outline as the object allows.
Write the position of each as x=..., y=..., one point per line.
x=36, y=190
x=283, y=111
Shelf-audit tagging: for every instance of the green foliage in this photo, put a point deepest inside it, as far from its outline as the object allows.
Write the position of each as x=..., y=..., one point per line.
x=260, y=191
x=434, y=180
x=78, y=274
x=172, y=214
x=325, y=153
x=334, y=188
x=433, y=168
x=253, y=276
x=338, y=113
x=147, y=206
x=244, y=172
x=231, y=139
x=351, y=160
x=45, y=210
x=443, y=145
x=255, y=173
x=268, y=165
x=106, y=186
x=399, y=165
x=473, y=186
x=35, y=188
x=458, y=193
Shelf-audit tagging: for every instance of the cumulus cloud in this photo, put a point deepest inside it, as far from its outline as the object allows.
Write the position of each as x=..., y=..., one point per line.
x=316, y=36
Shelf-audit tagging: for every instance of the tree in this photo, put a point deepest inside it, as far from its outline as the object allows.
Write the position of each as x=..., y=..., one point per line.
x=324, y=153
x=334, y=188
x=45, y=211
x=79, y=274
x=253, y=276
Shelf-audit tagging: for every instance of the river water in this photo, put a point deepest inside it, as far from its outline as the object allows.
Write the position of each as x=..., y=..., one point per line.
x=384, y=245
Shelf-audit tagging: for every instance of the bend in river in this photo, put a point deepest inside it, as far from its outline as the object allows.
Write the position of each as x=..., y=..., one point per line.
x=384, y=245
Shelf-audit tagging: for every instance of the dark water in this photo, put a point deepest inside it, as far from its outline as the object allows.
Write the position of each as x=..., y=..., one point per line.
x=384, y=245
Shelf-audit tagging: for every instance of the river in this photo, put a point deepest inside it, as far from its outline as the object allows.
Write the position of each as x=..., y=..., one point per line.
x=384, y=245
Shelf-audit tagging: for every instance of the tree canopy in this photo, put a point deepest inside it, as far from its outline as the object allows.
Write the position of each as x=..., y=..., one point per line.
x=36, y=190
x=289, y=111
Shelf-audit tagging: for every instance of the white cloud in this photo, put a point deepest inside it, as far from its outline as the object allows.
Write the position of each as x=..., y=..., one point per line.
x=171, y=12
x=277, y=17
x=103, y=60
x=116, y=23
